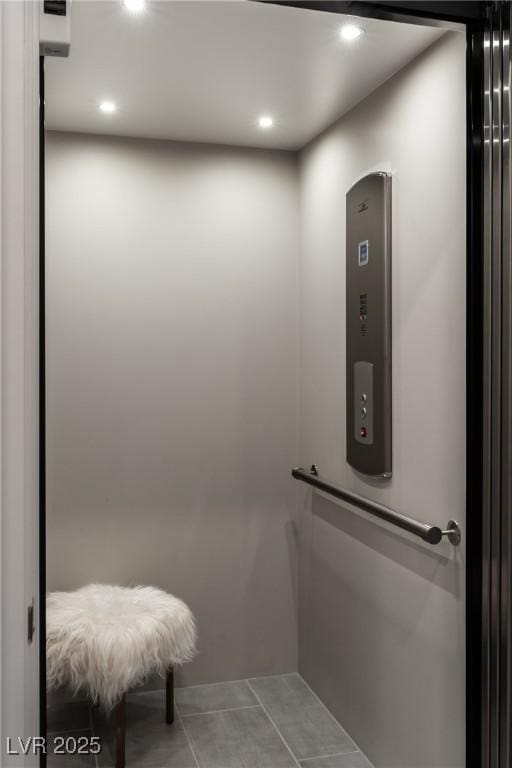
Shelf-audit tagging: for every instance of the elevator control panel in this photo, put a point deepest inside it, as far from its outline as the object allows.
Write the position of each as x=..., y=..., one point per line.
x=368, y=307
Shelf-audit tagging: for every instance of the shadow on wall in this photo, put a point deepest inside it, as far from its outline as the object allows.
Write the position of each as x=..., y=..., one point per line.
x=440, y=566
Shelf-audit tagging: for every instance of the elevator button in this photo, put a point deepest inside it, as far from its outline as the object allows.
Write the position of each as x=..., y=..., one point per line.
x=364, y=398
x=363, y=412
x=363, y=432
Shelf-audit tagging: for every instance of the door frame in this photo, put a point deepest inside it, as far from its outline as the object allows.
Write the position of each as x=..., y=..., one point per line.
x=42, y=414
x=19, y=371
x=488, y=373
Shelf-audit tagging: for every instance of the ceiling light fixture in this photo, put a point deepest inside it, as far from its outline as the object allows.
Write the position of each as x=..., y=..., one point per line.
x=107, y=107
x=134, y=6
x=350, y=32
x=265, y=121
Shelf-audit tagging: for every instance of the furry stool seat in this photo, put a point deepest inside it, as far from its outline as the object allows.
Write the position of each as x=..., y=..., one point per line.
x=106, y=639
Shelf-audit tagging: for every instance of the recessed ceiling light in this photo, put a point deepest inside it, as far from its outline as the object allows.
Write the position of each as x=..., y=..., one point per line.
x=134, y=6
x=108, y=107
x=265, y=121
x=350, y=32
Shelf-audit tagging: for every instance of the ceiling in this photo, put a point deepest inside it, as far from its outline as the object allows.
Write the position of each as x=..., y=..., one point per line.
x=205, y=70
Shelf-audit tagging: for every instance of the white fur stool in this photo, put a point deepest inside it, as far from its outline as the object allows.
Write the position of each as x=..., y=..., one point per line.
x=106, y=639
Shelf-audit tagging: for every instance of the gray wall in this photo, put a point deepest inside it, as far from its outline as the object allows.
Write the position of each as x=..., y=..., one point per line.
x=172, y=384
x=382, y=616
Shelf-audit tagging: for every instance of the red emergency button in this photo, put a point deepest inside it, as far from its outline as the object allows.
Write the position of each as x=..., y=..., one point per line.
x=363, y=432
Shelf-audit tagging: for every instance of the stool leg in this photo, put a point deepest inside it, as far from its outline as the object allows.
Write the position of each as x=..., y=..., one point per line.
x=120, y=733
x=169, y=696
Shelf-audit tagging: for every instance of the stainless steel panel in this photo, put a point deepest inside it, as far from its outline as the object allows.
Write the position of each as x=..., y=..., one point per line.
x=368, y=307
x=363, y=403
x=497, y=413
x=505, y=640
x=487, y=378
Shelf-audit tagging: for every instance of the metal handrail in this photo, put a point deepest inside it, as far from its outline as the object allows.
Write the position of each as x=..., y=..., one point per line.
x=429, y=533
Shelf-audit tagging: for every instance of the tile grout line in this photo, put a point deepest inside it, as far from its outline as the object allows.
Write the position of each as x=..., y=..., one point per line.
x=216, y=711
x=189, y=741
x=274, y=724
x=336, y=754
x=358, y=748
x=225, y=682
x=205, y=685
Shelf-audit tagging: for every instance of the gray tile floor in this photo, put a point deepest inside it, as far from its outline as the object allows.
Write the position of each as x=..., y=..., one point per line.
x=265, y=722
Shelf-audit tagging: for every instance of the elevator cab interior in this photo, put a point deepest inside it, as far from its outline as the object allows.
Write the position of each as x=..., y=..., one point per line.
x=255, y=247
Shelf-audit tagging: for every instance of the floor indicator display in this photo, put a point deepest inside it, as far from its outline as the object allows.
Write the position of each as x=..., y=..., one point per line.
x=369, y=325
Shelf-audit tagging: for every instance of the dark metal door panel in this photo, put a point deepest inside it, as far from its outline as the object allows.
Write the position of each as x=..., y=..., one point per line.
x=497, y=425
